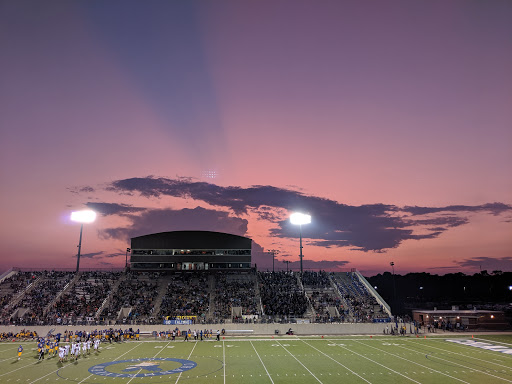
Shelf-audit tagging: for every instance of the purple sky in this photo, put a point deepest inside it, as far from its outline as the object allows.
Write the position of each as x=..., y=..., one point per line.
x=389, y=122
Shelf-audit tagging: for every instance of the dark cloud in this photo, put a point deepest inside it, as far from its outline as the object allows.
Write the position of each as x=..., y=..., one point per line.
x=448, y=221
x=163, y=220
x=115, y=254
x=90, y=255
x=371, y=227
x=326, y=265
x=107, y=209
x=493, y=208
x=431, y=235
x=77, y=190
x=488, y=263
x=267, y=214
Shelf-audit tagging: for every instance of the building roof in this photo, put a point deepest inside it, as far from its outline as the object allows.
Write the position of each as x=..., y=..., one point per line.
x=191, y=240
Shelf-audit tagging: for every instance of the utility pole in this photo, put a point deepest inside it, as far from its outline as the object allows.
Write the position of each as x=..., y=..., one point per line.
x=394, y=285
x=273, y=252
x=286, y=262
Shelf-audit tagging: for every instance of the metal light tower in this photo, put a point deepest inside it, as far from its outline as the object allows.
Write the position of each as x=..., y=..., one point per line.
x=86, y=216
x=273, y=252
x=299, y=219
x=286, y=262
x=394, y=285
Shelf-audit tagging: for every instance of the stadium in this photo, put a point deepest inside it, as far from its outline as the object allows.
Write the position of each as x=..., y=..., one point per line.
x=190, y=305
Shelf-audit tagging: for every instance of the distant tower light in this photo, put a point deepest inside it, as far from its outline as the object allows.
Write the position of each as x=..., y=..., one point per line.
x=299, y=219
x=210, y=174
x=85, y=216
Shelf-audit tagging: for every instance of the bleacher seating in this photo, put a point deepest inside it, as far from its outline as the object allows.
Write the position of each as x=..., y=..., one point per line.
x=232, y=291
x=144, y=298
x=360, y=304
x=187, y=295
x=281, y=295
x=136, y=291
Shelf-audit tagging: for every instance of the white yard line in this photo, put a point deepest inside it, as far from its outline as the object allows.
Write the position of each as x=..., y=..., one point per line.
x=10, y=350
x=133, y=377
x=188, y=358
x=257, y=354
x=17, y=369
x=317, y=379
x=162, y=349
x=337, y=362
x=224, y=360
x=461, y=354
x=373, y=361
x=413, y=362
x=139, y=344
x=140, y=370
x=10, y=358
x=460, y=365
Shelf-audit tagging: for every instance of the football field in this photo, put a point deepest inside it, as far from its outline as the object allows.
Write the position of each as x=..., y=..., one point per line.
x=449, y=358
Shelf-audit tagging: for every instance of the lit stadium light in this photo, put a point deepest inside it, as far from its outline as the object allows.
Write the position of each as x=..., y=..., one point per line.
x=299, y=219
x=85, y=216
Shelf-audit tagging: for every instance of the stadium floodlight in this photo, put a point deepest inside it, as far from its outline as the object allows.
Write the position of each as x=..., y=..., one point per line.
x=85, y=216
x=300, y=219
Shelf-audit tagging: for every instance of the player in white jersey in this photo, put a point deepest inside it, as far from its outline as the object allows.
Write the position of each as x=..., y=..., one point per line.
x=73, y=349
x=66, y=351
x=96, y=345
x=84, y=348
x=77, y=350
x=62, y=351
x=89, y=342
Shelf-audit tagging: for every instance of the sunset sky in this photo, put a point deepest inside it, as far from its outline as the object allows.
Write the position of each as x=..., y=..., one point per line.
x=390, y=122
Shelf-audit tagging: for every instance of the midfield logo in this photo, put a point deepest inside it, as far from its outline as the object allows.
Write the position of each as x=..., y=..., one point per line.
x=479, y=344
x=143, y=367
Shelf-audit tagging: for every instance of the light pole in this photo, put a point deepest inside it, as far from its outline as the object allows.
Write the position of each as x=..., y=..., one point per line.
x=273, y=252
x=127, y=252
x=286, y=262
x=299, y=219
x=394, y=285
x=86, y=216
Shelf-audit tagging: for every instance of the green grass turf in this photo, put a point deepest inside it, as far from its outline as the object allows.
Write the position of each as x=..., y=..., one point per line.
x=376, y=359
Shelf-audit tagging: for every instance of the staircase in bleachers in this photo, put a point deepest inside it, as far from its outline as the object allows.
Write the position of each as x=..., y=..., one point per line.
x=163, y=281
x=361, y=303
x=322, y=296
x=112, y=294
x=66, y=288
x=12, y=285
